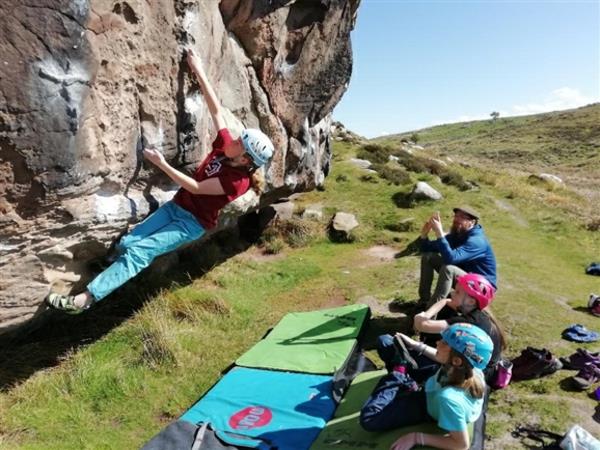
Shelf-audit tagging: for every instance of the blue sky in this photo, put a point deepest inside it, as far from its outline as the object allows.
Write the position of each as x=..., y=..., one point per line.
x=422, y=63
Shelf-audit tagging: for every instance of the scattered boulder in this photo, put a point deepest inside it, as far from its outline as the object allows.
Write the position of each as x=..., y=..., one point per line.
x=314, y=212
x=550, y=178
x=341, y=226
x=283, y=210
x=393, y=158
x=422, y=191
x=362, y=163
x=340, y=133
x=439, y=161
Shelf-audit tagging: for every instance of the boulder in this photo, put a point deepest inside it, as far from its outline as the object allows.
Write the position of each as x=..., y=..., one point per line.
x=84, y=83
x=362, y=163
x=284, y=210
x=313, y=212
x=341, y=227
x=422, y=191
x=550, y=178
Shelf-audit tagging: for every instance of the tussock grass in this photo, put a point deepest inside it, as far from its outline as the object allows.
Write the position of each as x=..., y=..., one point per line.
x=294, y=232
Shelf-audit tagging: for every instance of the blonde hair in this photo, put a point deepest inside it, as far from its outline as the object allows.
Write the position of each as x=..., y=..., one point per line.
x=463, y=376
x=257, y=181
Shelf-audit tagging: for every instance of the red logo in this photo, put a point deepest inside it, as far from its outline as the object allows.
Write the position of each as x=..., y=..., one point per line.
x=251, y=417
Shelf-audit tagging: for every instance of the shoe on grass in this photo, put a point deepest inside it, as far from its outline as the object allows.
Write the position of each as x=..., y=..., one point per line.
x=64, y=303
x=580, y=358
x=587, y=376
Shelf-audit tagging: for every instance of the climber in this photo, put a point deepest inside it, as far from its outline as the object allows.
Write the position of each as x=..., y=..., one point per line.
x=225, y=174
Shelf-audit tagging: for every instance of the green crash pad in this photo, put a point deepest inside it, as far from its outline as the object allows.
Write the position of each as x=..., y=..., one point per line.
x=343, y=432
x=316, y=342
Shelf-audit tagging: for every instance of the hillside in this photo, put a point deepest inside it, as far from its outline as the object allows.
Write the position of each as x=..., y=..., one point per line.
x=565, y=143
x=113, y=377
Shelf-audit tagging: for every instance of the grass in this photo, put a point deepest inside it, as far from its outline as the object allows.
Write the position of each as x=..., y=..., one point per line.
x=120, y=390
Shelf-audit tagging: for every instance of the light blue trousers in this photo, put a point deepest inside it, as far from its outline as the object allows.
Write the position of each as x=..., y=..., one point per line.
x=169, y=227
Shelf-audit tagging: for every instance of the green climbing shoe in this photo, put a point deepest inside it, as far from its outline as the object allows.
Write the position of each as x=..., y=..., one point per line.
x=64, y=303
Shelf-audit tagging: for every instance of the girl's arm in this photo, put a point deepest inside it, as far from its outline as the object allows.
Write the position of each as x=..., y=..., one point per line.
x=420, y=347
x=423, y=321
x=214, y=106
x=454, y=440
x=211, y=186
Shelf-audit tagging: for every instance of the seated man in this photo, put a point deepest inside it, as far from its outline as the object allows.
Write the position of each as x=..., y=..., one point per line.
x=464, y=249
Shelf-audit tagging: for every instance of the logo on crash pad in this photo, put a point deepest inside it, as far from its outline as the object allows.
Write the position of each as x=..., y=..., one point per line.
x=251, y=417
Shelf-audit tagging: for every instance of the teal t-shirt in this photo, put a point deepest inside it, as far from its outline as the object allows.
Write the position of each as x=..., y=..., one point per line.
x=452, y=407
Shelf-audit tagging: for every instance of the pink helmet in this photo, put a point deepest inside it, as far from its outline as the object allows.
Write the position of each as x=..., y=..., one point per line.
x=478, y=287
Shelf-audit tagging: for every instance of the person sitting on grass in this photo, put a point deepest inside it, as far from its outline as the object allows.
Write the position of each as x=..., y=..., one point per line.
x=469, y=302
x=464, y=249
x=453, y=396
x=225, y=174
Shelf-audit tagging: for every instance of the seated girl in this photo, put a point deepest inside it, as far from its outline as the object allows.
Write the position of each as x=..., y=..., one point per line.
x=452, y=397
x=468, y=303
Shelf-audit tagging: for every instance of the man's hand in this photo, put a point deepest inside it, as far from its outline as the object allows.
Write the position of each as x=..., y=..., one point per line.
x=436, y=225
x=425, y=229
x=155, y=157
x=406, y=442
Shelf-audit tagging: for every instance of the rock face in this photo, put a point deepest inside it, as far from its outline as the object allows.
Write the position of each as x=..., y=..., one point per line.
x=82, y=81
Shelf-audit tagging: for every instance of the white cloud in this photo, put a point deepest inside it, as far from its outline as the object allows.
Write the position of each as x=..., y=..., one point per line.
x=562, y=98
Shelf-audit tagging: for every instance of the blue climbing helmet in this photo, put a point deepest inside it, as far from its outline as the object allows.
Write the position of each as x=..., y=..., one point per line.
x=471, y=342
x=258, y=145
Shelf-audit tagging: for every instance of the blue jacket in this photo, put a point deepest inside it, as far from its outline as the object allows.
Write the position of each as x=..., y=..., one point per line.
x=471, y=252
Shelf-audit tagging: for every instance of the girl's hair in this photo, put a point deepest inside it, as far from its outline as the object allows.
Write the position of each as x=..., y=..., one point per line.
x=257, y=180
x=498, y=327
x=463, y=376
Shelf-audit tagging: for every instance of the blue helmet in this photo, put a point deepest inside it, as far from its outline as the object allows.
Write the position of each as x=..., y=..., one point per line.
x=471, y=342
x=258, y=145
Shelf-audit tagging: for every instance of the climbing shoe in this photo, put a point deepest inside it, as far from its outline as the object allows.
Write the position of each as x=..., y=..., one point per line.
x=580, y=358
x=534, y=363
x=64, y=303
x=588, y=375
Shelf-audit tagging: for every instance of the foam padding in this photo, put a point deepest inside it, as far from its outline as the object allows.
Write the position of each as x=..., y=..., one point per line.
x=287, y=410
x=310, y=342
x=344, y=432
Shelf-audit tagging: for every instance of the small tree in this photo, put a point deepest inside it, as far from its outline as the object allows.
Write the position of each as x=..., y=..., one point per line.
x=414, y=137
x=494, y=115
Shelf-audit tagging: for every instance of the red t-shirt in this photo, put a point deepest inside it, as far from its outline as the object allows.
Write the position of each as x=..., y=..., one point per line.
x=235, y=182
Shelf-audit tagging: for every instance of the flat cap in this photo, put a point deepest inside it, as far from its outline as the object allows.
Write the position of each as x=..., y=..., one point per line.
x=468, y=211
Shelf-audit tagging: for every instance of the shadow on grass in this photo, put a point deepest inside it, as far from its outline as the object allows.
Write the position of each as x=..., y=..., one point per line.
x=46, y=341
x=583, y=309
x=567, y=384
x=385, y=325
x=413, y=248
x=403, y=200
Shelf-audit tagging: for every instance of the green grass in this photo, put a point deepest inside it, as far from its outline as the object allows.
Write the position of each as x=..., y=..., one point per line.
x=119, y=391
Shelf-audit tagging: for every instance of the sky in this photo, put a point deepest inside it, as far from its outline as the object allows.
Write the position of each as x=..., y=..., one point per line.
x=426, y=62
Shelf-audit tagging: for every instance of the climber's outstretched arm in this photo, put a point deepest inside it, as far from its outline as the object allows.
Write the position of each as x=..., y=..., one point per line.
x=214, y=106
